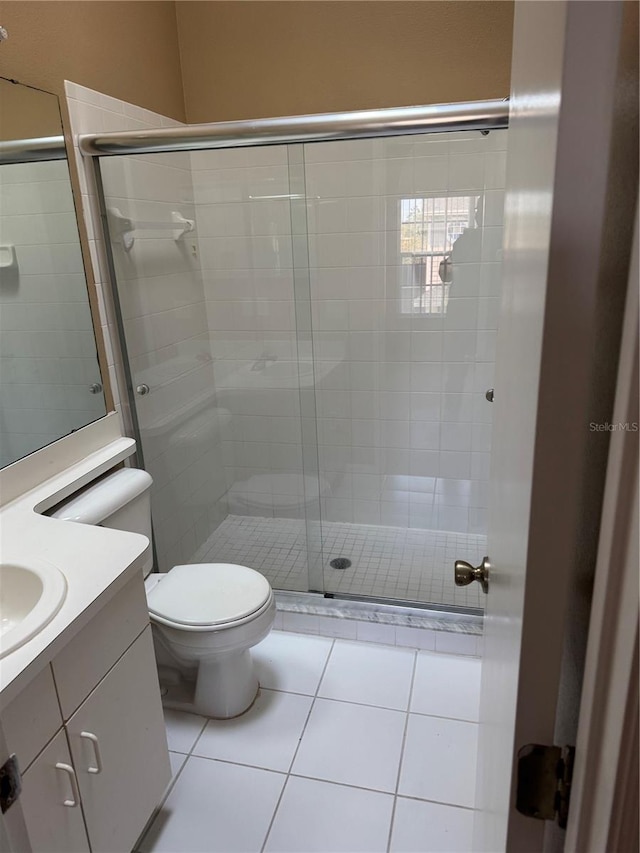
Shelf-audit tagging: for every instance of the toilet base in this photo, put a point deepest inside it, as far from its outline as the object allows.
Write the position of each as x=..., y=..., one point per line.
x=179, y=697
x=223, y=689
x=225, y=686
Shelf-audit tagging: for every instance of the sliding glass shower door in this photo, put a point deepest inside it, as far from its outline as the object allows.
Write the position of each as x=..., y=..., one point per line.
x=203, y=255
x=310, y=335
x=405, y=239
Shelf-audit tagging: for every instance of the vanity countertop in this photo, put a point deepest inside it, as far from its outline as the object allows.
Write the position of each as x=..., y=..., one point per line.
x=95, y=561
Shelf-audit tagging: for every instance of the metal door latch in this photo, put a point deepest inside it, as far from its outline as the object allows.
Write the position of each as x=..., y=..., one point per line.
x=465, y=573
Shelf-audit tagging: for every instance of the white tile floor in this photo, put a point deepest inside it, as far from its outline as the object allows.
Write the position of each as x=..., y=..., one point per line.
x=350, y=748
x=387, y=562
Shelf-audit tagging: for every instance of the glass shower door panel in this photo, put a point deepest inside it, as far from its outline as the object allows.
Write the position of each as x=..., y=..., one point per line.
x=405, y=237
x=209, y=324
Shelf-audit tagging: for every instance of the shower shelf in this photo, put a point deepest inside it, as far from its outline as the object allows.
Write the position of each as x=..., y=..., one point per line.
x=122, y=229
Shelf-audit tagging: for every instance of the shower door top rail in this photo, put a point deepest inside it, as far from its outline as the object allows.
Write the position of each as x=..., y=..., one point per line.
x=32, y=150
x=322, y=127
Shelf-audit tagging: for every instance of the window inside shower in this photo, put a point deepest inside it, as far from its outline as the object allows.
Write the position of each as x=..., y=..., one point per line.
x=309, y=355
x=429, y=228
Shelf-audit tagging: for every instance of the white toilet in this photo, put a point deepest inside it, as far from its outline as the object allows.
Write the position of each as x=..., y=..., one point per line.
x=205, y=617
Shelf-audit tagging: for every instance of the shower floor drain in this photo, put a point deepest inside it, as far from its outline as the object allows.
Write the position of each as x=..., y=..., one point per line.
x=340, y=563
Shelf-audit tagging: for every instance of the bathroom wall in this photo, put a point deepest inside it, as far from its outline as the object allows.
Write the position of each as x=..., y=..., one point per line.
x=214, y=61
x=126, y=50
x=47, y=348
x=246, y=254
x=404, y=429
x=253, y=59
x=26, y=113
x=163, y=308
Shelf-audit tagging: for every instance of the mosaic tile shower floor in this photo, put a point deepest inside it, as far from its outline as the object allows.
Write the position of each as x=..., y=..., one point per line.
x=386, y=562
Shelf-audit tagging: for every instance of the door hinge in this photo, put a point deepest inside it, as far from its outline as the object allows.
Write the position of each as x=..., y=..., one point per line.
x=10, y=783
x=544, y=782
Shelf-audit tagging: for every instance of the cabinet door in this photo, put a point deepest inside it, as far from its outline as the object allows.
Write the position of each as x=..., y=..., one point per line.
x=80, y=665
x=32, y=718
x=50, y=802
x=119, y=749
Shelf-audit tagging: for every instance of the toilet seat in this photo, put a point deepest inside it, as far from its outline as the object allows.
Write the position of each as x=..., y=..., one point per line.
x=207, y=596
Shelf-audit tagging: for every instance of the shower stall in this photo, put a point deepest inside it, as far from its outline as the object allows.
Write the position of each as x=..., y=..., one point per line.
x=308, y=311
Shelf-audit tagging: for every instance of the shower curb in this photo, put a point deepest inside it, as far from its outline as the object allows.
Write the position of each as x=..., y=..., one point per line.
x=389, y=624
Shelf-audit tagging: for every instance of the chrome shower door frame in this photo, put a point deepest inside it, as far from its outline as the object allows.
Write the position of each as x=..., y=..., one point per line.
x=482, y=116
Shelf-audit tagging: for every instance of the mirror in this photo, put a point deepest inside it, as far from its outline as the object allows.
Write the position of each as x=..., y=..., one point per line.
x=50, y=383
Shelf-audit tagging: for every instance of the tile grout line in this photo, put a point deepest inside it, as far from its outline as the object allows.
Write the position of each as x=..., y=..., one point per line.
x=326, y=781
x=195, y=743
x=372, y=790
x=170, y=788
x=295, y=753
x=404, y=742
x=158, y=809
x=363, y=705
x=174, y=779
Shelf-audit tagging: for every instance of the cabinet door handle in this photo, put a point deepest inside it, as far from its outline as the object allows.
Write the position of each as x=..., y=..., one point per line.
x=75, y=796
x=97, y=768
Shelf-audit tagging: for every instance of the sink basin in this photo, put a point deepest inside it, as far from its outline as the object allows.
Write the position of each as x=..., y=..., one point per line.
x=30, y=596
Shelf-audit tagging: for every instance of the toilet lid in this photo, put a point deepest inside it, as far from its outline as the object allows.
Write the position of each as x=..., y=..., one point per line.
x=208, y=594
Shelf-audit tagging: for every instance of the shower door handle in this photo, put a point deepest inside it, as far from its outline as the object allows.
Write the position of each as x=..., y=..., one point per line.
x=465, y=573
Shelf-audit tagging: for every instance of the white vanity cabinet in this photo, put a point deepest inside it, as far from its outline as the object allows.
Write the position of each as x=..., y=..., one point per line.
x=50, y=801
x=119, y=750
x=89, y=735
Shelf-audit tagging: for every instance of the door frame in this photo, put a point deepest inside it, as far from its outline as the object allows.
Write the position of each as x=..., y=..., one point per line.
x=571, y=194
x=603, y=813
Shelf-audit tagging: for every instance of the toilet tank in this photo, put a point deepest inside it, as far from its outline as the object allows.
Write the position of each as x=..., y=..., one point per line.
x=121, y=501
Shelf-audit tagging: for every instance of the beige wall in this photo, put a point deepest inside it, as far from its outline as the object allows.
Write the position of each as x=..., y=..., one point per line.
x=125, y=49
x=27, y=113
x=252, y=59
x=258, y=59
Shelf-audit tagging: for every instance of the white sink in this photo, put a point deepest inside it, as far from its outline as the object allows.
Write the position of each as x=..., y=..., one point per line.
x=30, y=596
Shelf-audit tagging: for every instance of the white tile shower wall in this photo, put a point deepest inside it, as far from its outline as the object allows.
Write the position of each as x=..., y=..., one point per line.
x=47, y=350
x=404, y=429
x=163, y=310
x=244, y=224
